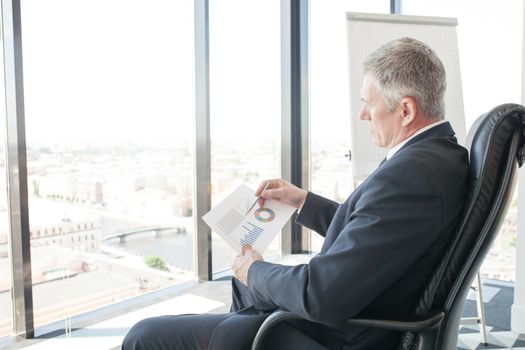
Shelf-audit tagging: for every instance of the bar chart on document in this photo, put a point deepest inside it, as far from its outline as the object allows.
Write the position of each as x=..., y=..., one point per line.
x=256, y=227
x=253, y=233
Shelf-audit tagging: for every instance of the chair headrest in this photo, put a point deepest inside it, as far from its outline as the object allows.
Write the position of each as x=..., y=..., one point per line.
x=492, y=129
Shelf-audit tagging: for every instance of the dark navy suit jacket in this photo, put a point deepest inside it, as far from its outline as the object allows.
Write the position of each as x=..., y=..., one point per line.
x=380, y=245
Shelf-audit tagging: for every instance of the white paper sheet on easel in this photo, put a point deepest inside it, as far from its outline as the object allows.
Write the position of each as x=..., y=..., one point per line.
x=256, y=228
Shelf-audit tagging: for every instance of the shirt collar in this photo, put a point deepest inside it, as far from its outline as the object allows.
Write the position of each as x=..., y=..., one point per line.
x=397, y=147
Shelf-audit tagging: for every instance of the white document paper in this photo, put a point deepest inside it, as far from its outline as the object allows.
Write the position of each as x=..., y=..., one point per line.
x=257, y=228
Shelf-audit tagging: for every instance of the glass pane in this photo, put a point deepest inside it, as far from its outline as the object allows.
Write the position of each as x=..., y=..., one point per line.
x=480, y=53
x=5, y=274
x=109, y=91
x=245, y=66
x=329, y=97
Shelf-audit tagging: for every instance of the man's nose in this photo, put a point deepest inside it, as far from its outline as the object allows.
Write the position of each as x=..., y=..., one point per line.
x=363, y=115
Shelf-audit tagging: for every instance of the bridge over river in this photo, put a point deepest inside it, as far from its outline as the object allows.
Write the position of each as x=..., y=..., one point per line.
x=156, y=231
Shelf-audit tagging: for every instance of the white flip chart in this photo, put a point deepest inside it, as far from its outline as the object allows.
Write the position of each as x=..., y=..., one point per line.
x=366, y=32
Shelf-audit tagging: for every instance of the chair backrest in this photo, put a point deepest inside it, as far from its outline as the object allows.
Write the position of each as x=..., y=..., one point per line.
x=495, y=144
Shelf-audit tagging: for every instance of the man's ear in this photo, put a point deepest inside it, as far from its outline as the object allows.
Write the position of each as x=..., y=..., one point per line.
x=408, y=110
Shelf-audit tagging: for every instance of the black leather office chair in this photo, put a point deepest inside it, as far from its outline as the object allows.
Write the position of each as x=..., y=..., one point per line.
x=496, y=145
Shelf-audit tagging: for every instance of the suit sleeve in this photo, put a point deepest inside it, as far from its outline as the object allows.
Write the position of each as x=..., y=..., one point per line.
x=394, y=222
x=317, y=213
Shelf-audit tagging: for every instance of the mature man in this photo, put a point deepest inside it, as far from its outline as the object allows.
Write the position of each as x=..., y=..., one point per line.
x=380, y=244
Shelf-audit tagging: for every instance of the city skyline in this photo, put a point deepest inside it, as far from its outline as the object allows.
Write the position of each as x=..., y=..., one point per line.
x=142, y=191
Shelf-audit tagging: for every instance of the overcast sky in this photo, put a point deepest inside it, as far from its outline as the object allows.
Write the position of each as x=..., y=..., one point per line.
x=119, y=72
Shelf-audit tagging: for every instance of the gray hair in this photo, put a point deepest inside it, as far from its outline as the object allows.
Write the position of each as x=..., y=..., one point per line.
x=407, y=67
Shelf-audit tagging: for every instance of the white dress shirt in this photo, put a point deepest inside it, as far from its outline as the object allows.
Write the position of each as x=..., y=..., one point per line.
x=397, y=147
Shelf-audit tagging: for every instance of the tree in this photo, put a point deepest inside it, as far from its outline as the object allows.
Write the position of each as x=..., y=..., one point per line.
x=155, y=262
x=36, y=189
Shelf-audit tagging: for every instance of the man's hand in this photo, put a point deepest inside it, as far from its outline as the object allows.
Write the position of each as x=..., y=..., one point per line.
x=241, y=264
x=282, y=191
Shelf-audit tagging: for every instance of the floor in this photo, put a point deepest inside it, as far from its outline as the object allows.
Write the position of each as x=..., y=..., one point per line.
x=497, y=300
x=214, y=297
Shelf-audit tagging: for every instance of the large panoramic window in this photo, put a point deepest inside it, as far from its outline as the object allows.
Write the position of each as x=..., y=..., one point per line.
x=109, y=116
x=245, y=97
x=489, y=78
x=331, y=174
x=5, y=274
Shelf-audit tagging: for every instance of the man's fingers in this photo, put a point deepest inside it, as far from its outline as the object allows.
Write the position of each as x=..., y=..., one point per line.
x=272, y=183
x=260, y=188
x=275, y=190
x=245, y=248
x=274, y=193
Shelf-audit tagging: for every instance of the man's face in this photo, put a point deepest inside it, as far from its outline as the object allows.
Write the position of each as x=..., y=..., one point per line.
x=384, y=126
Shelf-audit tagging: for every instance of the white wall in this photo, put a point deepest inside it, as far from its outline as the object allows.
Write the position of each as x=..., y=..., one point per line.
x=518, y=308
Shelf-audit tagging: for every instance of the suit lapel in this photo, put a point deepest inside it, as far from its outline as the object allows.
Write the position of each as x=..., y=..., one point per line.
x=439, y=131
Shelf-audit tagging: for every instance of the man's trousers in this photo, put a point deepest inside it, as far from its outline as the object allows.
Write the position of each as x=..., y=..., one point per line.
x=233, y=331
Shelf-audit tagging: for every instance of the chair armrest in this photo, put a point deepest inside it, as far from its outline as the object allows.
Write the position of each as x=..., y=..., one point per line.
x=267, y=325
x=403, y=323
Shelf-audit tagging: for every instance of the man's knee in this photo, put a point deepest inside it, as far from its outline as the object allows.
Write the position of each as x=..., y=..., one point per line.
x=140, y=336
x=172, y=332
